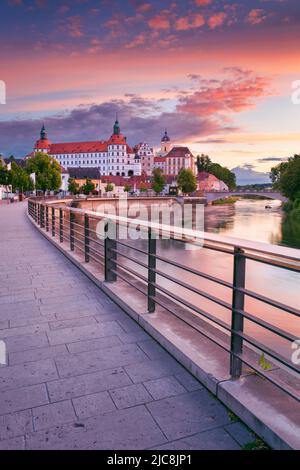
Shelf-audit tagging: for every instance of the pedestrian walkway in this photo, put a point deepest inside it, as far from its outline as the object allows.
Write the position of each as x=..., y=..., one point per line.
x=81, y=374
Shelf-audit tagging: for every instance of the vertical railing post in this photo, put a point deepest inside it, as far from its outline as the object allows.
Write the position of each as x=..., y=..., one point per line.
x=86, y=238
x=42, y=216
x=237, y=319
x=53, y=221
x=71, y=231
x=47, y=218
x=61, y=234
x=38, y=214
x=110, y=256
x=151, y=270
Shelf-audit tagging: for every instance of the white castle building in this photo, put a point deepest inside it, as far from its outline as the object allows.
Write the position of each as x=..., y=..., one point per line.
x=115, y=157
x=112, y=157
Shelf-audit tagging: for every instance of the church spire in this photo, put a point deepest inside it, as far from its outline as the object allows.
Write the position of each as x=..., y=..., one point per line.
x=117, y=126
x=43, y=133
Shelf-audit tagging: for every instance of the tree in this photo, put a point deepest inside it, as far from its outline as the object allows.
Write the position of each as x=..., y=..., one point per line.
x=127, y=188
x=5, y=177
x=73, y=187
x=203, y=163
x=47, y=171
x=187, y=181
x=158, y=180
x=20, y=179
x=88, y=187
x=224, y=174
x=286, y=178
x=143, y=188
x=108, y=188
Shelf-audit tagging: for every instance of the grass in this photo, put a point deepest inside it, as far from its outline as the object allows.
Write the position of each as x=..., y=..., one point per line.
x=228, y=200
x=258, y=444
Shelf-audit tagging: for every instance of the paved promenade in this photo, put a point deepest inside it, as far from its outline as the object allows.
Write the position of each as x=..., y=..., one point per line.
x=81, y=374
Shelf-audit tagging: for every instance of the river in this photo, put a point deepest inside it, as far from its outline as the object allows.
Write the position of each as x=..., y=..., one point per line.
x=251, y=220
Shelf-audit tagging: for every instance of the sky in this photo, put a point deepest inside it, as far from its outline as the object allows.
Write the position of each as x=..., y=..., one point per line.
x=216, y=74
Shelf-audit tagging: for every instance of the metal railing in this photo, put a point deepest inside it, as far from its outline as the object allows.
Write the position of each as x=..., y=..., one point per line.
x=74, y=226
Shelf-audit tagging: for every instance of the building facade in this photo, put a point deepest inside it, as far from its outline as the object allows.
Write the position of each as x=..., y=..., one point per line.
x=115, y=157
x=112, y=157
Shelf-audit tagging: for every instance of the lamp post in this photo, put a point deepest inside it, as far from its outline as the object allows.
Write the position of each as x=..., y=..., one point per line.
x=99, y=181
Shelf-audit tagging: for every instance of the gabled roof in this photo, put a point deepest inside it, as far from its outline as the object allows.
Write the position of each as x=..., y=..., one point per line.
x=78, y=147
x=20, y=162
x=179, y=152
x=84, y=173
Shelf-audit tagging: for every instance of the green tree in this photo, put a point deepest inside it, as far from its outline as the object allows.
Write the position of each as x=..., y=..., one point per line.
x=73, y=187
x=224, y=174
x=20, y=179
x=88, y=187
x=286, y=178
x=5, y=177
x=127, y=188
x=187, y=181
x=109, y=187
x=203, y=163
x=143, y=188
x=47, y=171
x=158, y=180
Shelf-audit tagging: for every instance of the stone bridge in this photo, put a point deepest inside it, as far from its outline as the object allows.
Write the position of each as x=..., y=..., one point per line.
x=214, y=196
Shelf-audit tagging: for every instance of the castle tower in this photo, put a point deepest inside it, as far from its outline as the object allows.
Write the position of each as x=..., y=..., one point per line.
x=165, y=143
x=43, y=144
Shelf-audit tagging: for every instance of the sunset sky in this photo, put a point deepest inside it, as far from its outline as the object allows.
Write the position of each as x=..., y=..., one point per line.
x=217, y=74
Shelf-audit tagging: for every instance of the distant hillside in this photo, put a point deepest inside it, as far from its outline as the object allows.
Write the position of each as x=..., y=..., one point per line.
x=248, y=176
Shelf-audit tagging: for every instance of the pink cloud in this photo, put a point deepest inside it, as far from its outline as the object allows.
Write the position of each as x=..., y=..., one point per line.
x=216, y=20
x=159, y=22
x=231, y=95
x=256, y=16
x=189, y=22
x=144, y=7
x=74, y=26
x=203, y=2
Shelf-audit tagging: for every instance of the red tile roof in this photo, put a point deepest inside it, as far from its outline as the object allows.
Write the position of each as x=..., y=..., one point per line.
x=117, y=139
x=159, y=159
x=179, y=152
x=78, y=147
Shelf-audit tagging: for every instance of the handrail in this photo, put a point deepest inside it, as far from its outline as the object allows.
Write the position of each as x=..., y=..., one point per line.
x=68, y=229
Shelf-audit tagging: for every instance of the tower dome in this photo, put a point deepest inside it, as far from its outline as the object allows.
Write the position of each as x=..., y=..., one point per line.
x=165, y=143
x=165, y=137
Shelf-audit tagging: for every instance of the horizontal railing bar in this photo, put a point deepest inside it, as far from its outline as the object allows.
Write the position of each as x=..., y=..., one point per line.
x=139, y=250
x=210, y=297
x=198, y=310
x=222, y=345
x=274, y=329
x=271, y=302
x=91, y=248
x=96, y=259
x=194, y=271
x=276, y=356
x=117, y=273
x=277, y=264
x=140, y=263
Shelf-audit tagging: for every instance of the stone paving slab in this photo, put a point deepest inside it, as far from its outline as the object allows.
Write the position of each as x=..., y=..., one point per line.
x=81, y=374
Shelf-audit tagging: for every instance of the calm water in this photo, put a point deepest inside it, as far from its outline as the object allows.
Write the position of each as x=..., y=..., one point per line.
x=247, y=219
